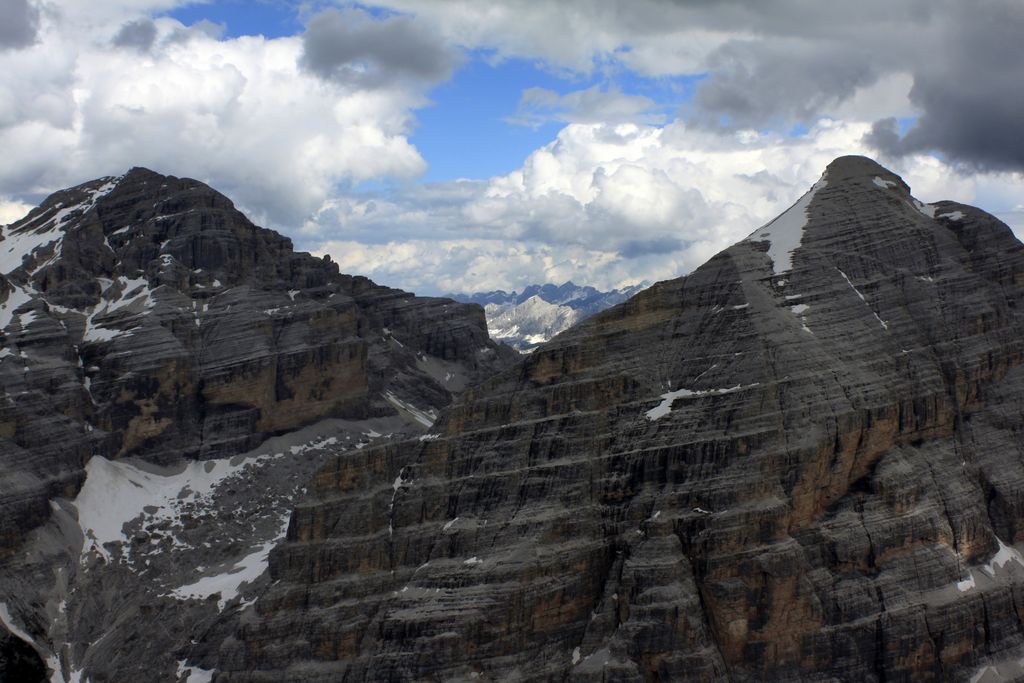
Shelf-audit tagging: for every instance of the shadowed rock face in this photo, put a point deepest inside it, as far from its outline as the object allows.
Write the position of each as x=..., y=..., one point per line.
x=802, y=466
x=145, y=316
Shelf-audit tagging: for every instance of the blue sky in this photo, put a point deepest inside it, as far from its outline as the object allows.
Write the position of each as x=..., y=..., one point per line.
x=467, y=130
x=269, y=18
x=462, y=146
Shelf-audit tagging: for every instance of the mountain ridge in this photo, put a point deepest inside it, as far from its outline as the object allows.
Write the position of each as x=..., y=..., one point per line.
x=799, y=462
x=525, y=320
x=771, y=468
x=170, y=376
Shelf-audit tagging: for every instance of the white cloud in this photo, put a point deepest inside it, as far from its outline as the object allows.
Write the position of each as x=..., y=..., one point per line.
x=241, y=114
x=605, y=205
x=11, y=210
x=284, y=126
x=470, y=265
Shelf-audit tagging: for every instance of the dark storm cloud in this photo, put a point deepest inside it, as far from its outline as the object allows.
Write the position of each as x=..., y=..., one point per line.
x=19, y=23
x=793, y=61
x=138, y=34
x=796, y=63
x=970, y=92
x=350, y=46
x=754, y=83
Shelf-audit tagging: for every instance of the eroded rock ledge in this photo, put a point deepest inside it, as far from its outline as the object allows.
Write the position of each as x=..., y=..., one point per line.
x=785, y=466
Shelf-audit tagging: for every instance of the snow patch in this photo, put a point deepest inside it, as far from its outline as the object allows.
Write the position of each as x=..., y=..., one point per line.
x=785, y=232
x=229, y=584
x=135, y=489
x=952, y=215
x=193, y=674
x=15, y=300
x=884, y=184
x=311, y=446
x=966, y=584
x=663, y=408
x=134, y=292
x=926, y=209
x=1002, y=557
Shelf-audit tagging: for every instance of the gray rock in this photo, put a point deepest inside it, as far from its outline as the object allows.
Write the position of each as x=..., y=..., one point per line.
x=144, y=315
x=784, y=466
x=146, y=324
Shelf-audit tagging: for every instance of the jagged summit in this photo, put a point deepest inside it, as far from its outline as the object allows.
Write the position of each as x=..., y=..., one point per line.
x=761, y=471
x=144, y=315
x=800, y=462
x=857, y=201
x=525, y=320
x=145, y=323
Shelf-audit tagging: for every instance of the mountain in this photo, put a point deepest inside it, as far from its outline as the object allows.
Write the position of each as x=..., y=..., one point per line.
x=171, y=375
x=525, y=320
x=803, y=461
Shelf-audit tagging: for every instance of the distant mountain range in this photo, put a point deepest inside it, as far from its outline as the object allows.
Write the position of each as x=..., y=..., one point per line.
x=529, y=318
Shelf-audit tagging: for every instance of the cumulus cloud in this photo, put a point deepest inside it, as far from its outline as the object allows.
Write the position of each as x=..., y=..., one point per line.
x=956, y=66
x=471, y=265
x=350, y=46
x=19, y=22
x=241, y=114
x=288, y=126
x=605, y=204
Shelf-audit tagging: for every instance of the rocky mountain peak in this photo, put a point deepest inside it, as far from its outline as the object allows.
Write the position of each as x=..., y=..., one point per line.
x=799, y=462
x=144, y=315
x=519, y=319
x=856, y=166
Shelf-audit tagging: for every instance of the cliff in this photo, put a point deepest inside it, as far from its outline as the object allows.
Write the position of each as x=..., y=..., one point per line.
x=801, y=462
x=158, y=352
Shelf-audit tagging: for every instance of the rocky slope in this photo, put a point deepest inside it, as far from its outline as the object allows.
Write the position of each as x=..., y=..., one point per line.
x=146, y=324
x=803, y=461
x=526, y=320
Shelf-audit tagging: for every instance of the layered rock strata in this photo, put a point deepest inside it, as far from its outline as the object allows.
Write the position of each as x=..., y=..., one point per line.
x=146, y=324
x=803, y=461
x=144, y=315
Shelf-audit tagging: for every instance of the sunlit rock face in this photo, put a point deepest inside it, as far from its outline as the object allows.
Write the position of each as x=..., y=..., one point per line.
x=144, y=315
x=803, y=461
x=171, y=376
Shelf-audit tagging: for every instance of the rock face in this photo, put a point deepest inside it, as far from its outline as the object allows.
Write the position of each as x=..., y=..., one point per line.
x=526, y=320
x=144, y=315
x=803, y=461
x=146, y=323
